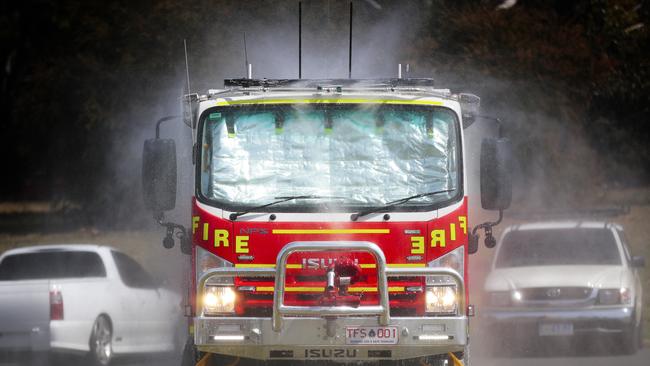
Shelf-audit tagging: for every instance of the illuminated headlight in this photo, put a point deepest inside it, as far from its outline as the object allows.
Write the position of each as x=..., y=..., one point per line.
x=219, y=300
x=454, y=260
x=441, y=299
x=500, y=298
x=614, y=296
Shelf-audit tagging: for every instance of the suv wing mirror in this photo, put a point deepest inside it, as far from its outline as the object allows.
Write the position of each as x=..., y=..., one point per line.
x=637, y=261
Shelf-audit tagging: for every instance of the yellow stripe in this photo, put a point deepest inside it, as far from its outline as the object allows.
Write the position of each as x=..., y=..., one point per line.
x=322, y=289
x=331, y=231
x=368, y=265
x=264, y=289
x=326, y=101
x=253, y=265
x=292, y=289
x=294, y=266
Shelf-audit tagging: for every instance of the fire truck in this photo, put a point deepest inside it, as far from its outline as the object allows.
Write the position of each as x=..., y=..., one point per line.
x=329, y=219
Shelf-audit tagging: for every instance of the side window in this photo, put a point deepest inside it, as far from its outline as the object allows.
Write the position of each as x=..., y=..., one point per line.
x=52, y=264
x=131, y=272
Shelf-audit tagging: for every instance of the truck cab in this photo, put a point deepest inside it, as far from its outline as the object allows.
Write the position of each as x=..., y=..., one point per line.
x=330, y=220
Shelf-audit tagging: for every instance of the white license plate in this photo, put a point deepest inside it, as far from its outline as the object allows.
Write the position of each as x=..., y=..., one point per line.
x=555, y=329
x=371, y=335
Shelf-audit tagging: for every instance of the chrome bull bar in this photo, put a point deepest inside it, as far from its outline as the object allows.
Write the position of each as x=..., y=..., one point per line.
x=281, y=310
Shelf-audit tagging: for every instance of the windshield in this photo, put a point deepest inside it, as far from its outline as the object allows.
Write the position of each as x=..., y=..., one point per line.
x=558, y=247
x=351, y=155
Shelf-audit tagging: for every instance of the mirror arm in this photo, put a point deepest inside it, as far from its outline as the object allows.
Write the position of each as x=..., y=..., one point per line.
x=489, y=241
x=160, y=121
x=498, y=122
x=180, y=231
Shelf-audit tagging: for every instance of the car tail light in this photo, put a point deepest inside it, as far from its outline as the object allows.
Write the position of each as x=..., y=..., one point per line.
x=56, y=305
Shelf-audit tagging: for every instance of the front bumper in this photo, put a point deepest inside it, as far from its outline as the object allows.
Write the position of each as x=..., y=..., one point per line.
x=319, y=332
x=307, y=338
x=585, y=321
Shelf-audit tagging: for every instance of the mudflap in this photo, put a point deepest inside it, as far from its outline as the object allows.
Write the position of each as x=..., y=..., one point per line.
x=455, y=360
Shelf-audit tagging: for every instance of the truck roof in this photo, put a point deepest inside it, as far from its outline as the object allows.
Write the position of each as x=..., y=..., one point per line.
x=563, y=224
x=322, y=88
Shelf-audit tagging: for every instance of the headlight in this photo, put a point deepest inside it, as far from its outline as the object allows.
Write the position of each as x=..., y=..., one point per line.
x=500, y=298
x=454, y=260
x=614, y=296
x=441, y=299
x=219, y=299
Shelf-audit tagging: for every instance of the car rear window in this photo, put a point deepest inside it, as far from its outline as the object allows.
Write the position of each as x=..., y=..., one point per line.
x=558, y=247
x=51, y=264
x=131, y=272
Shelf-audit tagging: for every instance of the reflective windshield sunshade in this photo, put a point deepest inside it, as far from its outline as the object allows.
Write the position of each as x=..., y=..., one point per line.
x=364, y=155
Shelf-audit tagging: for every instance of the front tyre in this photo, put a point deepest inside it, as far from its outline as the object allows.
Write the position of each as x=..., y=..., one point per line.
x=101, y=342
x=190, y=355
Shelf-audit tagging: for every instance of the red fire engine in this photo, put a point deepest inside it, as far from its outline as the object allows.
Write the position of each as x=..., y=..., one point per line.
x=329, y=220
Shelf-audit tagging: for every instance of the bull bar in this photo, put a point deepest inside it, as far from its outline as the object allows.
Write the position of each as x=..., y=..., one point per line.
x=306, y=314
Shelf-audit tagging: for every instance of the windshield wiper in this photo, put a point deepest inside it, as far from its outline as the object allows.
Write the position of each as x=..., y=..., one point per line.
x=233, y=216
x=398, y=202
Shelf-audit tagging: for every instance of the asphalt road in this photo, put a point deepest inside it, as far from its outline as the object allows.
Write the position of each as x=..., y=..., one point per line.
x=642, y=358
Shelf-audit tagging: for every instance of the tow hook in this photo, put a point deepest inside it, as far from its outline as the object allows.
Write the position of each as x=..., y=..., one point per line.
x=340, y=275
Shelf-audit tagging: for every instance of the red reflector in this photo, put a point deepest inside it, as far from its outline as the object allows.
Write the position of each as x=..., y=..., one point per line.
x=56, y=305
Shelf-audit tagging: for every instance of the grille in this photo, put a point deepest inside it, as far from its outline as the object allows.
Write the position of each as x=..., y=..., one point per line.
x=556, y=293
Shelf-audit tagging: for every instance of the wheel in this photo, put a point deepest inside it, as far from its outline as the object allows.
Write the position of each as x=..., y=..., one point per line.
x=101, y=342
x=190, y=354
x=629, y=341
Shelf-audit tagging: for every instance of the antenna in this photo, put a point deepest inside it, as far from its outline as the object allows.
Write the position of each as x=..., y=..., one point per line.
x=187, y=67
x=350, y=50
x=187, y=73
x=246, y=65
x=299, y=39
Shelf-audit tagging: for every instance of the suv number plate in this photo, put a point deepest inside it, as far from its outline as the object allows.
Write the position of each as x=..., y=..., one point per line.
x=371, y=335
x=555, y=329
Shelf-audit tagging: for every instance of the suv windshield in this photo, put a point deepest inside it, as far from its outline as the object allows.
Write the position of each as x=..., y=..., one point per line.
x=558, y=247
x=360, y=155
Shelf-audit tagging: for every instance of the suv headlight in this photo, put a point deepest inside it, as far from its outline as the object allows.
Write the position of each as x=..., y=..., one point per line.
x=614, y=296
x=441, y=299
x=500, y=298
x=219, y=300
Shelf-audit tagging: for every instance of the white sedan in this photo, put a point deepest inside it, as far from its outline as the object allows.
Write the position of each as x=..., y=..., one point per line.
x=564, y=281
x=83, y=298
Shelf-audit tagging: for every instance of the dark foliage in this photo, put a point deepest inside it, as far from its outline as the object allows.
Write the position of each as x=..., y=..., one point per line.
x=71, y=70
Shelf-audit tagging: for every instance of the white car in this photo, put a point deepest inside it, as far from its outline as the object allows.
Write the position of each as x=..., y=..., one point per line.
x=83, y=298
x=564, y=281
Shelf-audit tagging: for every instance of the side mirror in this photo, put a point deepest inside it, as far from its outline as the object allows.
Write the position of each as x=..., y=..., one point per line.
x=159, y=174
x=472, y=243
x=496, y=171
x=637, y=261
